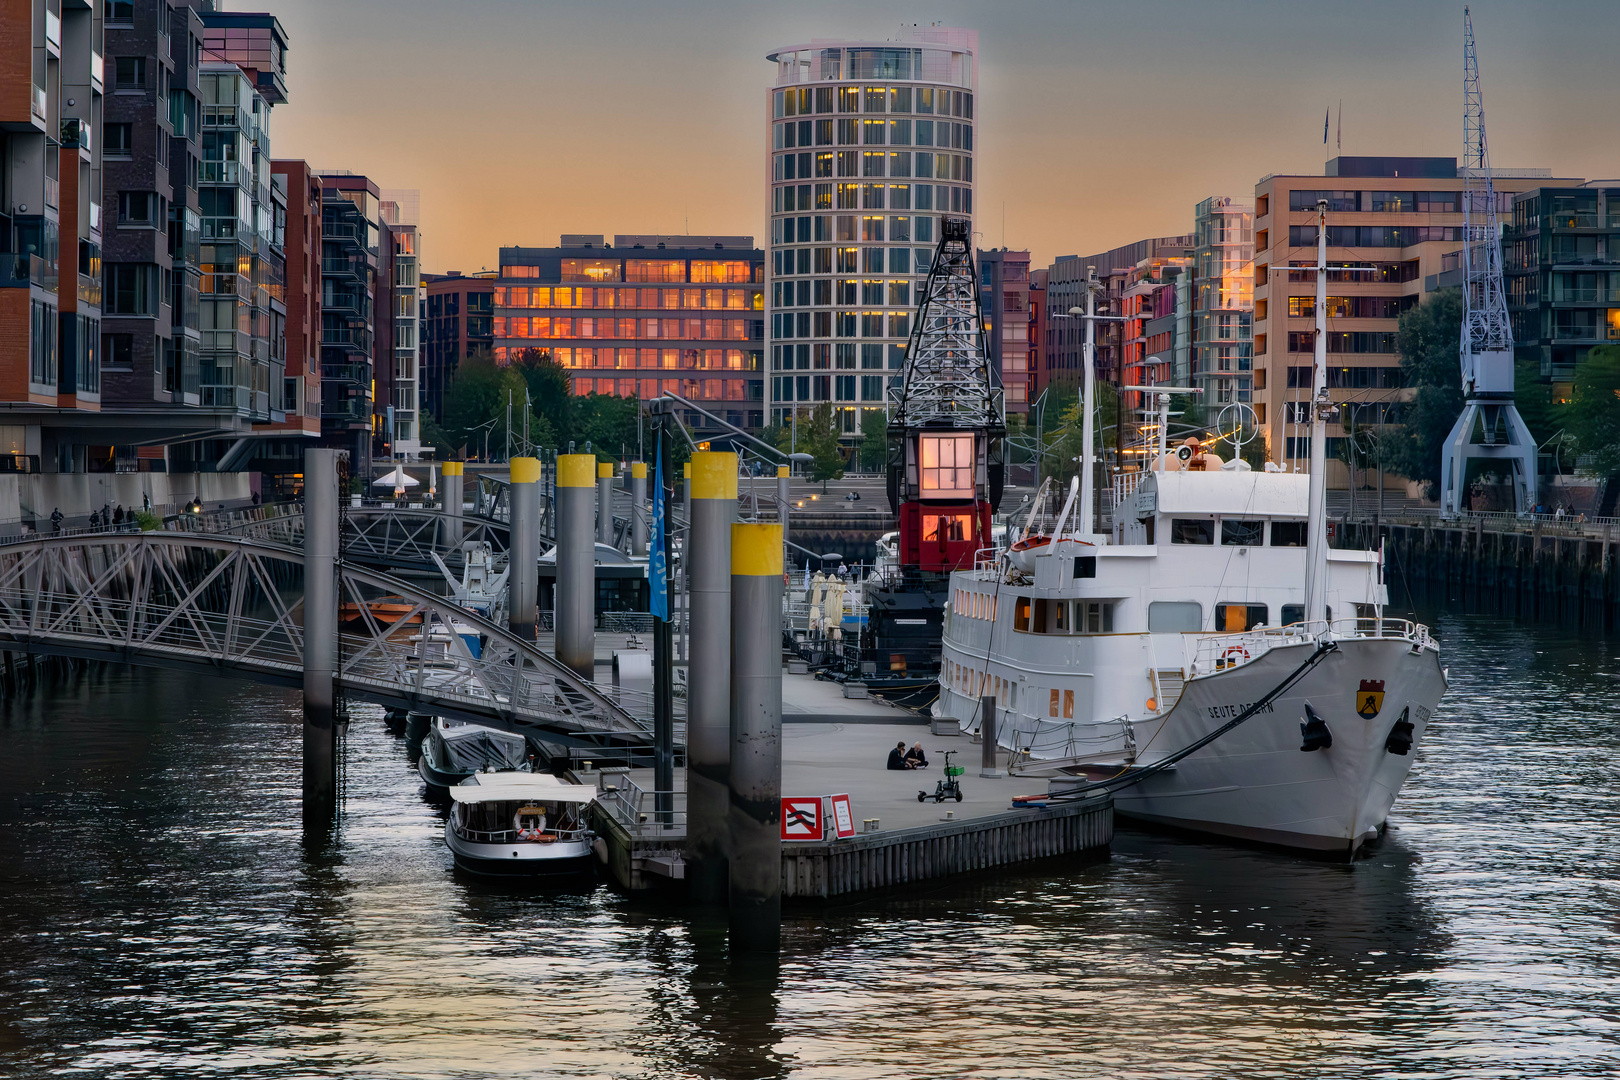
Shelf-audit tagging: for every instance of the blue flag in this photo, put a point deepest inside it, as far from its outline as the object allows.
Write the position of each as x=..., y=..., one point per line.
x=657, y=570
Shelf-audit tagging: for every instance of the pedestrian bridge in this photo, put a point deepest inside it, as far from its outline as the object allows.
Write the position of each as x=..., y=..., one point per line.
x=228, y=606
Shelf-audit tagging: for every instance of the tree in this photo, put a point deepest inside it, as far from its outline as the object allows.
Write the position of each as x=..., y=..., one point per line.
x=1427, y=339
x=607, y=422
x=478, y=396
x=1593, y=413
x=819, y=439
x=551, y=388
x=874, y=452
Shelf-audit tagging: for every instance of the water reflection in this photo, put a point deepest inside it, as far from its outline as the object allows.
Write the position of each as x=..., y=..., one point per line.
x=165, y=917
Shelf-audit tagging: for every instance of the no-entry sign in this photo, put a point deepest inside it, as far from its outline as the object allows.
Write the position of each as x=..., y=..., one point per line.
x=843, y=819
x=801, y=817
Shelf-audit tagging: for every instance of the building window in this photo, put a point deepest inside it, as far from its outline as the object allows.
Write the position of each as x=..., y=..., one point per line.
x=129, y=72
x=130, y=289
x=117, y=140
x=119, y=10
x=118, y=350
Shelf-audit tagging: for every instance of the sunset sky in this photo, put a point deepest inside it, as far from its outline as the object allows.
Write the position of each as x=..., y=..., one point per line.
x=1098, y=124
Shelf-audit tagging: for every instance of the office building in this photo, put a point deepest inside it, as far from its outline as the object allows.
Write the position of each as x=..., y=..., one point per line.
x=1222, y=302
x=1005, y=309
x=458, y=321
x=869, y=144
x=1039, y=316
x=644, y=316
x=1394, y=219
x=1561, y=262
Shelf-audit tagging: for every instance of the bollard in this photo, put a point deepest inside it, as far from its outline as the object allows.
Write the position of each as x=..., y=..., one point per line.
x=523, y=561
x=574, y=609
x=755, y=777
x=639, y=510
x=987, y=738
x=320, y=635
x=604, y=504
x=708, y=686
x=686, y=491
x=450, y=504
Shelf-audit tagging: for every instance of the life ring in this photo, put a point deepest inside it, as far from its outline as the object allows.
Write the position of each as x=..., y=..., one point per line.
x=1235, y=650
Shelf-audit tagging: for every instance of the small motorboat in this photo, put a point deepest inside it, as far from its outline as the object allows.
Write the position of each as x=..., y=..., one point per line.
x=454, y=750
x=515, y=824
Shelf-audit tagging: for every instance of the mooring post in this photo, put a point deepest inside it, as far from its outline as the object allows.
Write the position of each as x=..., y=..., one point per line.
x=574, y=610
x=686, y=492
x=604, y=504
x=987, y=738
x=638, y=508
x=756, y=737
x=707, y=555
x=523, y=549
x=450, y=503
x=320, y=635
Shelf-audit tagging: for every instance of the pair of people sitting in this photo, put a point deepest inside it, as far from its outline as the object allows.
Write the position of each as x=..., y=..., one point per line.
x=901, y=758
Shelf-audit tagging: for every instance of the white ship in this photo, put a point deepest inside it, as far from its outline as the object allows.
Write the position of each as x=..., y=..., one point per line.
x=1215, y=603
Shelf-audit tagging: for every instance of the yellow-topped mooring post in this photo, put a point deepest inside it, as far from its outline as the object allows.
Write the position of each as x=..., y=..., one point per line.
x=756, y=737
x=640, y=512
x=604, y=504
x=707, y=557
x=574, y=609
x=523, y=575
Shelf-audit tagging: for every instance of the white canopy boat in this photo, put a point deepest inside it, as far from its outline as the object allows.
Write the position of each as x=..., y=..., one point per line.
x=519, y=825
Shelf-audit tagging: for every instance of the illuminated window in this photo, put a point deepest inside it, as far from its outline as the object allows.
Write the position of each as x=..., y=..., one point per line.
x=590, y=269
x=947, y=466
x=520, y=271
x=666, y=270
x=952, y=527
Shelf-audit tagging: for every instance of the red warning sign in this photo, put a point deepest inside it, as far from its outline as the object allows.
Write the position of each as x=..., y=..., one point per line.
x=801, y=817
x=843, y=819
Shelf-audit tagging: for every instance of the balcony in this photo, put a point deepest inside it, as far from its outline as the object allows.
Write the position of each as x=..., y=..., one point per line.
x=39, y=103
x=353, y=410
x=21, y=271
x=97, y=63
x=219, y=172
x=89, y=291
x=95, y=217
x=351, y=340
x=76, y=133
x=226, y=396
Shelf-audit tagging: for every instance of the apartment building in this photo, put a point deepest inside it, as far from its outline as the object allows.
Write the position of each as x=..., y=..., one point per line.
x=354, y=276
x=1561, y=262
x=299, y=190
x=403, y=408
x=868, y=144
x=1064, y=338
x=458, y=321
x=1004, y=306
x=643, y=316
x=1395, y=220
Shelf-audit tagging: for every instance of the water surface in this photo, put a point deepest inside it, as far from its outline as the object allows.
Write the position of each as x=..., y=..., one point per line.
x=162, y=916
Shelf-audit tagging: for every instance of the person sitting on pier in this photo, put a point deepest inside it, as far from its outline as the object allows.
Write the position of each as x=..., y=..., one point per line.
x=897, y=757
x=916, y=758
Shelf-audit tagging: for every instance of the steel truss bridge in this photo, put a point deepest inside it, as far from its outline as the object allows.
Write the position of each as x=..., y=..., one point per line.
x=228, y=606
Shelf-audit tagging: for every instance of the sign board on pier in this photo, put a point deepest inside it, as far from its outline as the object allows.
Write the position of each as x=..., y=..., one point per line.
x=801, y=817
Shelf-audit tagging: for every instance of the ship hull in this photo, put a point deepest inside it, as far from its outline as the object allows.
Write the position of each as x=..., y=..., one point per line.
x=1256, y=783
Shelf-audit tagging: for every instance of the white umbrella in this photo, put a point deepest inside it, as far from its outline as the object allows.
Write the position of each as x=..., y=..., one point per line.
x=397, y=478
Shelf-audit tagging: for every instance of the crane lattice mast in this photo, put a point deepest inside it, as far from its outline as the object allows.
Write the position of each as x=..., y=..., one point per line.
x=1486, y=345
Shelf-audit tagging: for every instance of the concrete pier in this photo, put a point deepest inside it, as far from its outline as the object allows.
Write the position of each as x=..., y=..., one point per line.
x=574, y=615
x=523, y=580
x=755, y=777
x=639, y=509
x=707, y=556
x=604, y=504
x=320, y=635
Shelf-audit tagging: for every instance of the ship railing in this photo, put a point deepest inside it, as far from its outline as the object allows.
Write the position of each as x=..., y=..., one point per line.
x=511, y=836
x=987, y=564
x=1220, y=652
x=1038, y=742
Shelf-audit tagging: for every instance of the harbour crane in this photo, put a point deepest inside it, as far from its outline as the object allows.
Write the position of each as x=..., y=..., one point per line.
x=1490, y=428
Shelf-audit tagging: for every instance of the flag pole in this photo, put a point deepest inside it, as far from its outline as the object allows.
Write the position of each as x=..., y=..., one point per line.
x=663, y=647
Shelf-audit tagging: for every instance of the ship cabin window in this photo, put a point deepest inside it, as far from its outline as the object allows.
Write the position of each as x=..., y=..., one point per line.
x=1192, y=531
x=1240, y=532
x=1287, y=534
x=1085, y=566
x=1175, y=617
x=949, y=526
x=1235, y=618
x=946, y=466
x=1295, y=613
x=1060, y=703
x=1041, y=616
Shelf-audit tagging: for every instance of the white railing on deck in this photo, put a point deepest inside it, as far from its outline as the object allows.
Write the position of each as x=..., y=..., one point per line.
x=1220, y=652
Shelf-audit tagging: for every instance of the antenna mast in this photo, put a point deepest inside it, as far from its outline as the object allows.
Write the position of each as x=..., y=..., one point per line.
x=1486, y=346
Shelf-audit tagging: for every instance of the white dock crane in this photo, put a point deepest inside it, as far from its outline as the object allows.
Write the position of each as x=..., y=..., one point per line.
x=1490, y=427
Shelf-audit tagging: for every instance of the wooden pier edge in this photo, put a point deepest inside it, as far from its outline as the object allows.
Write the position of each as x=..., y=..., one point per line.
x=819, y=870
